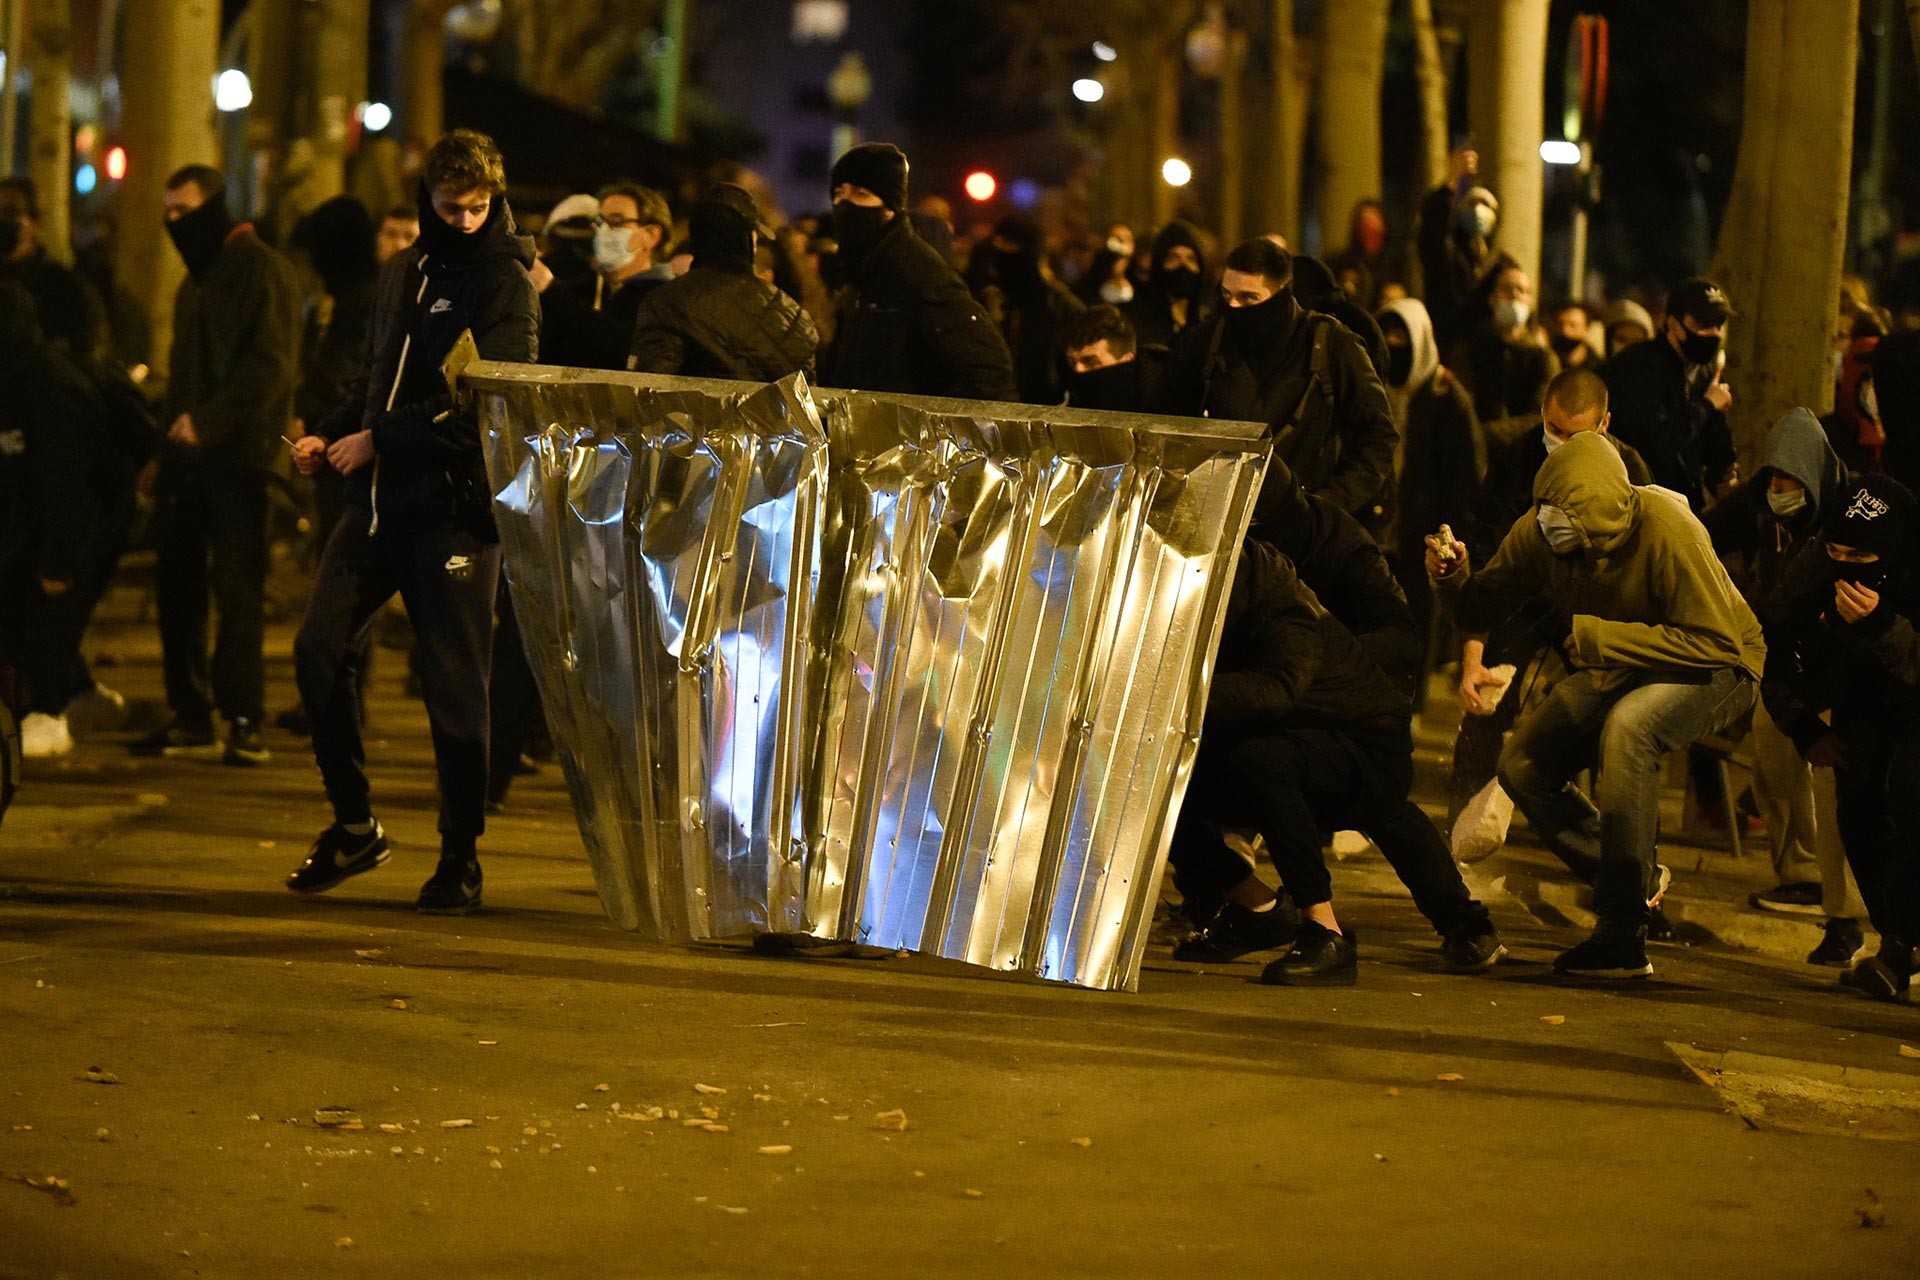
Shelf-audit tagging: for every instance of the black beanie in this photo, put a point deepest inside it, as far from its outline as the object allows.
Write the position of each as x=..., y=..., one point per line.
x=1874, y=514
x=880, y=167
x=721, y=227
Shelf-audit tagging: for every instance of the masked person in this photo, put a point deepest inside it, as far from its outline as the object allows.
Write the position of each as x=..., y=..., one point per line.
x=1760, y=529
x=1442, y=455
x=419, y=519
x=1627, y=324
x=1854, y=427
x=1843, y=682
x=1171, y=300
x=1365, y=257
x=1106, y=282
x=1264, y=358
x=1304, y=733
x=1669, y=401
x=1106, y=367
x=586, y=321
x=906, y=321
x=229, y=401
x=1317, y=290
x=1504, y=360
x=1663, y=652
x=720, y=320
x=1568, y=337
x=1455, y=242
x=1576, y=401
x=72, y=317
x=1028, y=304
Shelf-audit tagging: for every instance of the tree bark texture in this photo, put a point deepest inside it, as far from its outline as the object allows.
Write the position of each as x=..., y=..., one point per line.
x=1507, y=68
x=1784, y=238
x=1430, y=74
x=1353, y=51
x=50, y=128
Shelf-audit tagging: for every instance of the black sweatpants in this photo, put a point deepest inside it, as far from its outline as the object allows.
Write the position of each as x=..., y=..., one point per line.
x=1292, y=788
x=513, y=697
x=448, y=577
x=210, y=528
x=1879, y=793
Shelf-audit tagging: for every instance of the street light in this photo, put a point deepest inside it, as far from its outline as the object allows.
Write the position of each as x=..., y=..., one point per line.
x=375, y=116
x=1555, y=151
x=232, y=91
x=1104, y=51
x=1087, y=89
x=1176, y=171
x=980, y=186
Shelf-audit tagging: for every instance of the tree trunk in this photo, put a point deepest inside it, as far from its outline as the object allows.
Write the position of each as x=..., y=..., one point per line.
x=1431, y=76
x=1164, y=128
x=425, y=114
x=1233, y=162
x=332, y=66
x=50, y=129
x=1913, y=26
x=166, y=120
x=1507, y=60
x=1285, y=124
x=13, y=26
x=1353, y=51
x=1784, y=238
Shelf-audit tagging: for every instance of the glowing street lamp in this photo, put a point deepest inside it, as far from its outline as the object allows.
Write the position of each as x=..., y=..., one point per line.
x=980, y=186
x=1177, y=172
x=1089, y=90
x=1554, y=151
x=232, y=91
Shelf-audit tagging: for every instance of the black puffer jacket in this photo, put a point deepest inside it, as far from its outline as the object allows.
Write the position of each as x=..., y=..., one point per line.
x=429, y=465
x=908, y=324
x=1345, y=568
x=1867, y=674
x=715, y=322
x=236, y=354
x=1286, y=663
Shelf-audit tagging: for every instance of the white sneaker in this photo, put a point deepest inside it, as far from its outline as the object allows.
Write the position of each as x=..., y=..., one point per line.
x=43, y=736
x=98, y=710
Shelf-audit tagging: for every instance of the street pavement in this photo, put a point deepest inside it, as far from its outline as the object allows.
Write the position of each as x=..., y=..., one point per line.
x=529, y=1091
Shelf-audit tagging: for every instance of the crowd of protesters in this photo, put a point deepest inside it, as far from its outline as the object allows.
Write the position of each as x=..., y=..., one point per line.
x=1551, y=506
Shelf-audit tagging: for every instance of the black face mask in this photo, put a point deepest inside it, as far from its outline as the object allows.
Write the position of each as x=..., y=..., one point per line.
x=1563, y=346
x=1870, y=577
x=569, y=258
x=1699, y=348
x=1116, y=387
x=445, y=245
x=1257, y=330
x=200, y=234
x=11, y=229
x=858, y=229
x=1181, y=284
x=1399, y=364
x=1018, y=270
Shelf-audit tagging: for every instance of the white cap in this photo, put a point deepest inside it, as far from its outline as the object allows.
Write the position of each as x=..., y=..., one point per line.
x=574, y=206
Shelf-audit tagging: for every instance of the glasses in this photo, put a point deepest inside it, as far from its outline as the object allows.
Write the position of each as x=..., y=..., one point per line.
x=620, y=222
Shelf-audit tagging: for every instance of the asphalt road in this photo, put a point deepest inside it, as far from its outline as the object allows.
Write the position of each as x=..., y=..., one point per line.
x=1417, y=1124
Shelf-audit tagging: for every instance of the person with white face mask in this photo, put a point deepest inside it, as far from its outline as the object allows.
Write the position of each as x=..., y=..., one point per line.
x=1505, y=361
x=1663, y=652
x=587, y=322
x=1759, y=530
x=1458, y=221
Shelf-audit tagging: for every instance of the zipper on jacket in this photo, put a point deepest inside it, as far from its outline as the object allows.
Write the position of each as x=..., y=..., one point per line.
x=393, y=393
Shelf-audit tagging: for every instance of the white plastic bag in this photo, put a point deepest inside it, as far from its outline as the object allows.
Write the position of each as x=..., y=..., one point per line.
x=1482, y=826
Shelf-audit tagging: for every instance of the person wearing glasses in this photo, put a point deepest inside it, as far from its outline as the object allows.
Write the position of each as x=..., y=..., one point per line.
x=588, y=323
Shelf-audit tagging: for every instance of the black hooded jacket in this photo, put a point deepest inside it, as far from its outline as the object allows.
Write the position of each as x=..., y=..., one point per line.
x=429, y=465
x=1285, y=663
x=1345, y=568
x=48, y=451
x=908, y=324
x=1151, y=310
x=338, y=238
x=1686, y=441
x=1329, y=411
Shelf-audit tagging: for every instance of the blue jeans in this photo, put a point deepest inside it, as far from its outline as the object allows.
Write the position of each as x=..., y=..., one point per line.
x=1622, y=725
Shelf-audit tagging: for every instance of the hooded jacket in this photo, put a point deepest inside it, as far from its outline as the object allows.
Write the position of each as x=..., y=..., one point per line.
x=1285, y=663
x=1744, y=527
x=1314, y=285
x=429, y=465
x=906, y=323
x=1443, y=453
x=1685, y=440
x=48, y=453
x=1645, y=592
x=1029, y=307
x=1151, y=310
x=1344, y=567
x=236, y=354
x=1327, y=407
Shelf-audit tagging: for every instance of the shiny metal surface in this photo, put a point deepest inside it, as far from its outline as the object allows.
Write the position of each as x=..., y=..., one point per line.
x=909, y=672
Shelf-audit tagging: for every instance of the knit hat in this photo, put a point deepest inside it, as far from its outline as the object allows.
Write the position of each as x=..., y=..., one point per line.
x=1874, y=514
x=880, y=167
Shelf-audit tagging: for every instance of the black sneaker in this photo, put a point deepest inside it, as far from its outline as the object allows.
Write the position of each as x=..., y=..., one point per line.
x=1473, y=950
x=453, y=889
x=1804, y=899
x=1610, y=953
x=337, y=854
x=1659, y=928
x=1320, y=958
x=1237, y=931
x=1841, y=944
x=1887, y=976
x=174, y=740
x=245, y=745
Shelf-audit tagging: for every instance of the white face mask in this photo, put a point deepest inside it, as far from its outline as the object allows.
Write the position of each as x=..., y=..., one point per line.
x=1869, y=402
x=1511, y=313
x=1557, y=527
x=1790, y=503
x=1116, y=293
x=1553, y=441
x=613, y=248
x=1480, y=220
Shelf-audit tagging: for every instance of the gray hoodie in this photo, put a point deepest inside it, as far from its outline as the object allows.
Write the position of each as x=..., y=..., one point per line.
x=1426, y=356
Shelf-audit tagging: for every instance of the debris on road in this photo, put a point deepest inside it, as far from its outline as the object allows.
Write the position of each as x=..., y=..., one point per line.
x=1554, y=1019
x=397, y=1004
x=894, y=1120
x=1450, y=1077
x=1871, y=1212
x=781, y=1149
x=102, y=1135
x=337, y=1118
x=1908, y=1051
x=54, y=1185
x=96, y=1075
x=372, y=953
x=1081, y=1142
x=708, y=1088
x=974, y=1194
x=488, y=1044
x=603, y=1088
x=456, y=1124
x=344, y=1242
